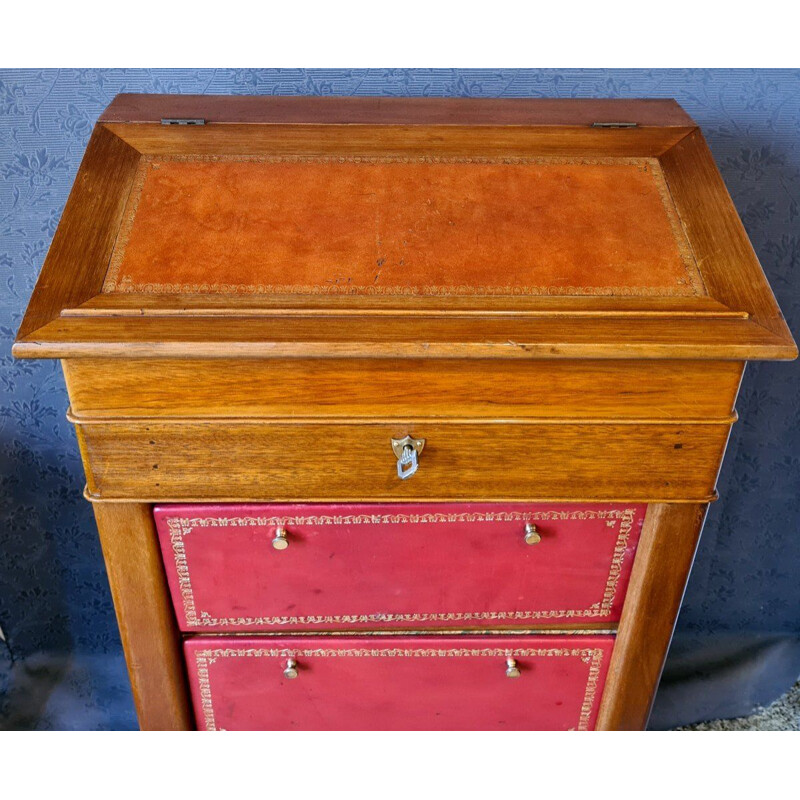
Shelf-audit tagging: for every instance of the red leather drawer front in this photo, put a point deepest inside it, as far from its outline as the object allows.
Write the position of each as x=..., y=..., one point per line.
x=398, y=683
x=400, y=566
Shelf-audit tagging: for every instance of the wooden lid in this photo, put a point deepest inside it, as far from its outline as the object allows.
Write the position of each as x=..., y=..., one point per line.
x=400, y=227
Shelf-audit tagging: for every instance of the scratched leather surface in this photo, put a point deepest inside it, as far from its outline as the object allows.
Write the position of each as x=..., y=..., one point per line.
x=310, y=225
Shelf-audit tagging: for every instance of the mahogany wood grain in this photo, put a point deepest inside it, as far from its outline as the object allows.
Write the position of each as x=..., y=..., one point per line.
x=351, y=461
x=490, y=389
x=394, y=110
x=78, y=257
x=146, y=618
x=666, y=551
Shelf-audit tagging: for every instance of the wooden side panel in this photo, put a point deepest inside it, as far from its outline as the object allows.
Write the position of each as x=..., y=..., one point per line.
x=660, y=571
x=666, y=390
x=145, y=615
x=269, y=462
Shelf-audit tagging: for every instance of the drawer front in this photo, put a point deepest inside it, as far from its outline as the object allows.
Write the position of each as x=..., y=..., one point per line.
x=406, y=683
x=397, y=566
x=230, y=461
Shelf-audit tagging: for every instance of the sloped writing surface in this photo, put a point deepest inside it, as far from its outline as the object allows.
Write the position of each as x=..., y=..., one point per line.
x=402, y=225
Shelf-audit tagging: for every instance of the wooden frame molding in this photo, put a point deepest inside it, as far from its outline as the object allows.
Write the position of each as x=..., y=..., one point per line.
x=71, y=317
x=79, y=254
x=412, y=111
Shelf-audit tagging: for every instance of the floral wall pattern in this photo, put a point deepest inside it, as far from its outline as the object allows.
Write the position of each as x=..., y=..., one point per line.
x=738, y=637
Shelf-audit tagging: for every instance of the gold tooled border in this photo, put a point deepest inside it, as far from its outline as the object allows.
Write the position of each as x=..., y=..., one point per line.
x=180, y=527
x=693, y=280
x=591, y=656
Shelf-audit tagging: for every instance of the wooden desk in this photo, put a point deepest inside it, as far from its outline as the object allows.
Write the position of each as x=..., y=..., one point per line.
x=399, y=413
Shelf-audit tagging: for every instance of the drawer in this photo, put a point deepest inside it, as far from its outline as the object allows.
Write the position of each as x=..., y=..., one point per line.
x=235, y=461
x=397, y=566
x=402, y=683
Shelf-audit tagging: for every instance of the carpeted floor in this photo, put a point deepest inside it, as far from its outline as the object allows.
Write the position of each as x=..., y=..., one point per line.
x=782, y=715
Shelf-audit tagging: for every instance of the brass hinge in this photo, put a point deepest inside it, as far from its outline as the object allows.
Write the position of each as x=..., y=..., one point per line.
x=178, y=121
x=614, y=124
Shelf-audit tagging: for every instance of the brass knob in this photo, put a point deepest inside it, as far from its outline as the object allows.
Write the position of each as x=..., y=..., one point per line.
x=291, y=669
x=531, y=534
x=280, y=542
x=512, y=671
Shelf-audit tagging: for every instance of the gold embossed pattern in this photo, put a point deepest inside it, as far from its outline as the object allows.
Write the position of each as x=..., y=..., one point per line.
x=179, y=528
x=204, y=659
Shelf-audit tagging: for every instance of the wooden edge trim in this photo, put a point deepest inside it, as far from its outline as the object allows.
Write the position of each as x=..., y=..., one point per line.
x=730, y=267
x=78, y=419
x=97, y=311
x=765, y=350
x=789, y=346
x=238, y=138
x=339, y=110
x=98, y=498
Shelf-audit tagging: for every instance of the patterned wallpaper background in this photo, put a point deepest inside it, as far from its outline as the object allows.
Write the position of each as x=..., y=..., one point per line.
x=738, y=637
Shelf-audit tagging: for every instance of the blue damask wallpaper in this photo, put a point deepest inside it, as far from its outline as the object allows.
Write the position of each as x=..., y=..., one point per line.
x=738, y=637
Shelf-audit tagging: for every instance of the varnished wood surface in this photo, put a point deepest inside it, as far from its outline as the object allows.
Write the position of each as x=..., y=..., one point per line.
x=748, y=326
x=289, y=398
x=236, y=139
x=394, y=110
x=488, y=388
x=663, y=561
x=345, y=460
x=78, y=257
x=731, y=269
x=147, y=623
x=403, y=337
